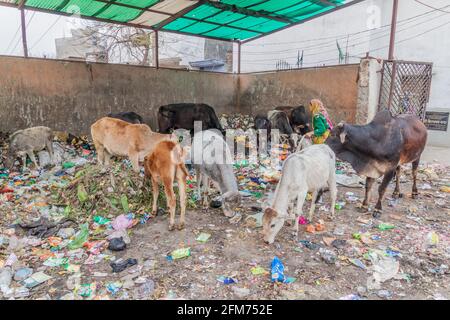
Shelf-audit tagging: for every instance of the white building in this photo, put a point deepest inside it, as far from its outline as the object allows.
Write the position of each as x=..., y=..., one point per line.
x=80, y=46
x=422, y=35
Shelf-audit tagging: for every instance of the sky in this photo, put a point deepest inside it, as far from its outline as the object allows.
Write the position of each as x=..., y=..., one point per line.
x=44, y=28
x=40, y=41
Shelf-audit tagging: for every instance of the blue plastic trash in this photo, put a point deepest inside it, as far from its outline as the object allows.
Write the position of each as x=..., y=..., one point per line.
x=277, y=270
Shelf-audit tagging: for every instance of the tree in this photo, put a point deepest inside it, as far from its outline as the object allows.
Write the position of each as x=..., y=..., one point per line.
x=122, y=44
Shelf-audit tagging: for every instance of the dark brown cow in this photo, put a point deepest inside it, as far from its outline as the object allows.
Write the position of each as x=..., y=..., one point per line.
x=380, y=148
x=129, y=116
x=183, y=115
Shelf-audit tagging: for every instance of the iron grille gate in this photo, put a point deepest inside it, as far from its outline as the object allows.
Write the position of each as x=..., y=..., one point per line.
x=405, y=87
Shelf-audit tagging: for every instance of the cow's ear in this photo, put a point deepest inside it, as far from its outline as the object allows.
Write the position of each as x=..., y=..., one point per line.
x=343, y=136
x=270, y=213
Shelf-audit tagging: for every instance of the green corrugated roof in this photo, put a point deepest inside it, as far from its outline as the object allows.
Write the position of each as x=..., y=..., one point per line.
x=225, y=19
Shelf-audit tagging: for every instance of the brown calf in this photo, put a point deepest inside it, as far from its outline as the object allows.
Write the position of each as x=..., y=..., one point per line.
x=120, y=138
x=165, y=164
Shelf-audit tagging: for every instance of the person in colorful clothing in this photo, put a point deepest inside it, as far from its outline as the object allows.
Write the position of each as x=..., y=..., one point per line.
x=321, y=122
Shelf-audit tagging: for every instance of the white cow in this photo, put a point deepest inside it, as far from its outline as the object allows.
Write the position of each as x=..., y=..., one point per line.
x=310, y=170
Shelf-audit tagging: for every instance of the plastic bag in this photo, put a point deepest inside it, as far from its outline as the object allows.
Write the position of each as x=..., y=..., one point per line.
x=80, y=238
x=122, y=222
x=277, y=270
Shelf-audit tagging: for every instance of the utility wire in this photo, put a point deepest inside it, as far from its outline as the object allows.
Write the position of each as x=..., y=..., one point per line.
x=427, y=5
x=333, y=50
x=383, y=47
x=332, y=42
x=355, y=33
x=45, y=32
x=20, y=26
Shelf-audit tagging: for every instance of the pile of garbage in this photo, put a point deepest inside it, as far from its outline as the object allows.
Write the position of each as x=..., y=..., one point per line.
x=77, y=231
x=236, y=121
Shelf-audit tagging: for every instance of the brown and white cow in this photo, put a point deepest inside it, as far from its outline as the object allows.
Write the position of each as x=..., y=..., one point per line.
x=115, y=137
x=163, y=165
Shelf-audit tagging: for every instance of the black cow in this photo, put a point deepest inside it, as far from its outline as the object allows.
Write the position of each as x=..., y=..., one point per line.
x=300, y=120
x=280, y=121
x=183, y=115
x=131, y=117
x=380, y=148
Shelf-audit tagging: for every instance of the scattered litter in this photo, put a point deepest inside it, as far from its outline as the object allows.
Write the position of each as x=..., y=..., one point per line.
x=22, y=274
x=385, y=226
x=180, y=253
x=302, y=220
x=339, y=243
x=117, y=244
x=352, y=181
x=357, y=263
x=80, y=238
x=310, y=245
x=203, y=237
x=226, y=280
x=277, y=270
x=259, y=271
x=120, y=266
x=122, y=222
x=328, y=256
x=36, y=279
x=351, y=297
x=432, y=238
x=384, y=268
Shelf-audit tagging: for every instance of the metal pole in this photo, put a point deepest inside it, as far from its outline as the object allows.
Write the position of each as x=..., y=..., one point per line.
x=393, y=29
x=24, y=33
x=239, y=57
x=156, y=51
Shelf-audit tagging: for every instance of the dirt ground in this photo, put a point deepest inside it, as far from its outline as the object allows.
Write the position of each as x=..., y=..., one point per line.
x=409, y=260
x=234, y=249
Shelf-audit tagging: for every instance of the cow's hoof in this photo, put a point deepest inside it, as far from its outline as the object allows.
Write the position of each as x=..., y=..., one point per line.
x=376, y=213
x=397, y=195
x=180, y=226
x=171, y=227
x=415, y=195
x=363, y=208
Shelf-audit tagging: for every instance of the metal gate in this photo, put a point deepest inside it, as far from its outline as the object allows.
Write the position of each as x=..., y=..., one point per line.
x=405, y=87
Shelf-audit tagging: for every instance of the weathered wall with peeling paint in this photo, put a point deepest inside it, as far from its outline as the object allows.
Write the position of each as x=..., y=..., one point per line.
x=336, y=86
x=70, y=96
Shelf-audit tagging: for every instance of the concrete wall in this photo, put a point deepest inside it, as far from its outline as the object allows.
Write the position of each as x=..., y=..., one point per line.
x=369, y=82
x=336, y=86
x=70, y=96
